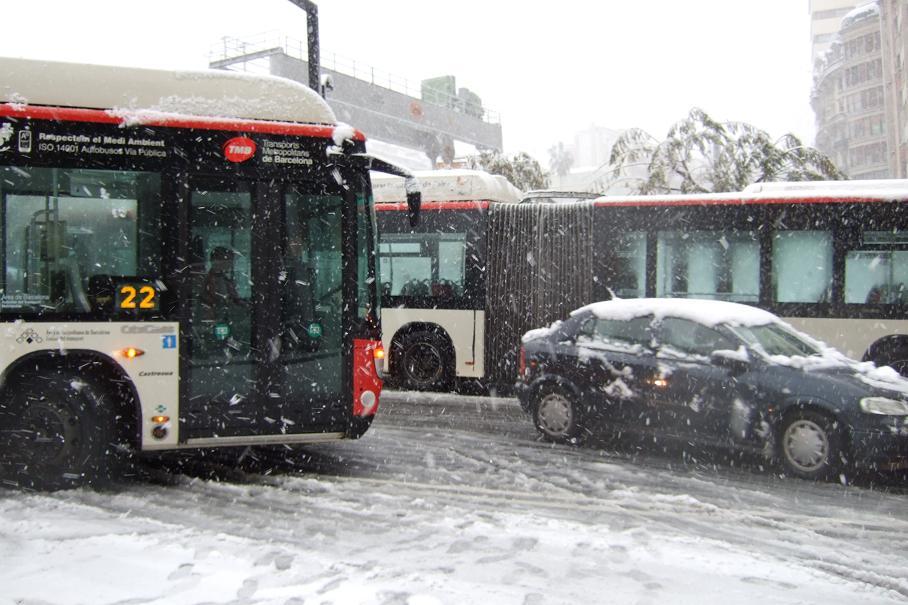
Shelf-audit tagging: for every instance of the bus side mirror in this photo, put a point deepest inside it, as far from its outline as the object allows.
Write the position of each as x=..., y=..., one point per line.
x=414, y=200
x=414, y=203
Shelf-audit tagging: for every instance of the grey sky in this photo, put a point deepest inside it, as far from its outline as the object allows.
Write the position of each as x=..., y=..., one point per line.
x=548, y=68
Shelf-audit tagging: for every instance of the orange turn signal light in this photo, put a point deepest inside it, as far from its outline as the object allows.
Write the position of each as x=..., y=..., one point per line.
x=379, y=352
x=160, y=419
x=132, y=352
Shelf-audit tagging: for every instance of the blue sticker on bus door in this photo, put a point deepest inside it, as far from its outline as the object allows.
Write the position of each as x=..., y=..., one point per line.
x=169, y=341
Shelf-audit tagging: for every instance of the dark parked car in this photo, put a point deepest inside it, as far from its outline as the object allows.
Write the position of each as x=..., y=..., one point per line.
x=713, y=373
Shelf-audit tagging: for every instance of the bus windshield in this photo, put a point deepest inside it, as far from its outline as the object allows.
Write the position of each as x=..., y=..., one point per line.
x=66, y=231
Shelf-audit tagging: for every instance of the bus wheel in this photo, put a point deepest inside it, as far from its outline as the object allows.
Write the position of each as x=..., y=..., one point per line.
x=557, y=415
x=54, y=434
x=425, y=362
x=897, y=359
x=892, y=352
x=810, y=445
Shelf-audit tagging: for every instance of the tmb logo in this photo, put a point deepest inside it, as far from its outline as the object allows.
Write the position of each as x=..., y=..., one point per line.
x=239, y=149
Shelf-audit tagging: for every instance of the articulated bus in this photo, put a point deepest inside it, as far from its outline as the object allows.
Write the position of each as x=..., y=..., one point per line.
x=460, y=288
x=830, y=258
x=188, y=261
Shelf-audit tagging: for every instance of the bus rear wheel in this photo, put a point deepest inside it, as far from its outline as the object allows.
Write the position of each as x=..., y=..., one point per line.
x=424, y=362
x=54, y=434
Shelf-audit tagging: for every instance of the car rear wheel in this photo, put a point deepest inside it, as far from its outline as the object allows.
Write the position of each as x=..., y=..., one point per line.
x=811, y=445
x=557, y=415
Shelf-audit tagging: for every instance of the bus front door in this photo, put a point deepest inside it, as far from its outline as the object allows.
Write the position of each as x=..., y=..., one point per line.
x=224, y=355
x=265, y=311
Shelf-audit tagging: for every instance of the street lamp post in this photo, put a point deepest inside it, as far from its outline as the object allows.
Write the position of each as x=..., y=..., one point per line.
x=312, y=43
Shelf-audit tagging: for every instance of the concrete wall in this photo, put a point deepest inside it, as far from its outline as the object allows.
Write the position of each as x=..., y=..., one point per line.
x=394, y=117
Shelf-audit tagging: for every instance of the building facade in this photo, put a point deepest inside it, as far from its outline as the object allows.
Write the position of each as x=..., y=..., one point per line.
x=894, y=29
x=860, y=94
x=825, y=20
x=849, y=101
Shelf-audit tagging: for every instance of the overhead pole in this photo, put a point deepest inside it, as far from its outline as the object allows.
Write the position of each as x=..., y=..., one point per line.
x=312, y=43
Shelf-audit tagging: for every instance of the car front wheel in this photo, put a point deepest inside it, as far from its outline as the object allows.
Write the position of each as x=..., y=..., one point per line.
x=557, y=415
x=811, y=445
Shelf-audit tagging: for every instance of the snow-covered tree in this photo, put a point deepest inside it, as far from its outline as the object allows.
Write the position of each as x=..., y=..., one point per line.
x=560, y=159
x=520, y=169
x=701, y=155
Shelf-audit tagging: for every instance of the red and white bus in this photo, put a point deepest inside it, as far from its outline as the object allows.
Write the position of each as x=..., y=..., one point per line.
x=433, y=275
x=829, y=257
x=188, y=261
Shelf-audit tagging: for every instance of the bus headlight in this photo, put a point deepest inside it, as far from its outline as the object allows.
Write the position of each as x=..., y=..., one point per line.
x=884, y=406
x=368, y=400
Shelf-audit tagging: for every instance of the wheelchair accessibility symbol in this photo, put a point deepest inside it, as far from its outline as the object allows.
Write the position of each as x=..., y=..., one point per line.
x=169, y=341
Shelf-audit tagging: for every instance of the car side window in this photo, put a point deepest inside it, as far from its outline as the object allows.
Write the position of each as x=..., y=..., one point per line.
x=631, y=332
x=690, y=337
x=586, y=329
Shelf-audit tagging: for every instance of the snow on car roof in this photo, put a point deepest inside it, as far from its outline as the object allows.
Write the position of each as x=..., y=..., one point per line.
x=128, y=90
x=706, y=312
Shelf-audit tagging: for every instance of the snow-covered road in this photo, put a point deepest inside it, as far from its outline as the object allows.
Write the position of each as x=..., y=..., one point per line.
x=451, y=499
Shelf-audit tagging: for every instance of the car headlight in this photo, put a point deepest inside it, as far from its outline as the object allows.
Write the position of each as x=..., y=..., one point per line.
x=884, y=406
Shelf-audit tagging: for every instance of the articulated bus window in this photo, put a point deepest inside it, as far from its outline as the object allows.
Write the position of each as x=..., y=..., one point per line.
x=802, y=266
x=721, y=265
x=628, y=266
x=69, y=233
x=877, y=272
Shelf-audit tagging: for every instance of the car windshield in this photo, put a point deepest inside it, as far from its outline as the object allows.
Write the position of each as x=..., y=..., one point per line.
x=775, y=339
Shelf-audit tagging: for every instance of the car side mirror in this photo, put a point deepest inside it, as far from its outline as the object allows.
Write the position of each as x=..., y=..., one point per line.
x=564, y=338
x=736, y=361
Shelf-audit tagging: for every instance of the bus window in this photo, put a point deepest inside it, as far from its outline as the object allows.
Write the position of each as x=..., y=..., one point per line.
x=312, y=297
x=877, y=273
x=628, y=279
x=64, y=230
x=802, y=266
x=426, y=264
x=722, y=265
x=221, y=232
x=311, y=291
x=365, y=264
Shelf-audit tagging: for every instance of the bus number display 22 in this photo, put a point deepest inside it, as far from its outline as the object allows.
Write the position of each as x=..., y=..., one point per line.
x=137, y=297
